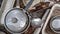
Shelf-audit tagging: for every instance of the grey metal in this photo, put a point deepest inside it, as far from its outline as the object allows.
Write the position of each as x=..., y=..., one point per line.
x=16, y=20
x=17, y=4
x=45, y=15
x=29, y=4
x=6, y=6
x=55, y=24
x=36, y=22
x=37, y=31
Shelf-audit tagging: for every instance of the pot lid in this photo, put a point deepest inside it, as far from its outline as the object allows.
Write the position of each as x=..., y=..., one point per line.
x=16, y=20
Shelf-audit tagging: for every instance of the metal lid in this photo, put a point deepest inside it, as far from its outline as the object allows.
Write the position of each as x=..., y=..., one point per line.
x=16, y=20
x=55, y=24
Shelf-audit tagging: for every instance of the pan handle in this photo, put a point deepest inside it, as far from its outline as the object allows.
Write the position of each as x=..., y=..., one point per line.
x=29, y=4
x=17, y=3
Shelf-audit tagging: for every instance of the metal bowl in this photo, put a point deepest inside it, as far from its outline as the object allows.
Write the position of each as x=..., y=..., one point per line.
x=16, y=20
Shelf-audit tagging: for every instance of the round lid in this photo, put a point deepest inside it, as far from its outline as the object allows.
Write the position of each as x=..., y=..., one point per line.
x=56, y=24
x=16, y=20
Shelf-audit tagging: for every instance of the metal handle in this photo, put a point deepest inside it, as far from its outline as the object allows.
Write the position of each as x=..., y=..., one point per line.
x=37, y=31
x=29, y=4
x=17, y=4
